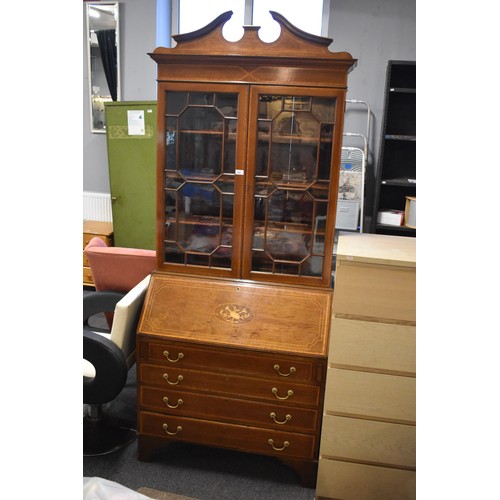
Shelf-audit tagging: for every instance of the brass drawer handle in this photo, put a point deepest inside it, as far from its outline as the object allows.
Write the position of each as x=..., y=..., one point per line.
x=292, y=370
x=285, y=445
x=287, y=418
x=275, y=392
x=179, y=402
x=180, y=378
x=179, y=357
x=165, y=428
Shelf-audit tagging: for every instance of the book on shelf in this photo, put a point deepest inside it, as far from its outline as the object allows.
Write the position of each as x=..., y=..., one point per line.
x=391, y=217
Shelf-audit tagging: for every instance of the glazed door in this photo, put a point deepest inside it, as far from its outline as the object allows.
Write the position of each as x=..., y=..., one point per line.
x=293, y=167
x=201, y=174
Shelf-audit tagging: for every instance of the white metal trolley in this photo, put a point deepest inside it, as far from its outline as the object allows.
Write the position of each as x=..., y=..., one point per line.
x=350, y=206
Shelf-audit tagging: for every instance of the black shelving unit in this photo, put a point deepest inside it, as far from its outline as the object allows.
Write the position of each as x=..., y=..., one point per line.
x=396, y=173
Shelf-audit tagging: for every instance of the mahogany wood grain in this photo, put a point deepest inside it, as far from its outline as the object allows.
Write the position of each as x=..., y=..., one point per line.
x=274, y=415
x=240, y=314
x=239, y=437
x=265, y=365
x=231, y=385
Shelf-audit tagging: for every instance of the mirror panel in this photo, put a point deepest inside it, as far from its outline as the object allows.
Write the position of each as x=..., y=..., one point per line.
x=103, y=52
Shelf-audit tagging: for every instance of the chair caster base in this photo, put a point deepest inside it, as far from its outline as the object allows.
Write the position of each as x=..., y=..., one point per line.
x=102, y=436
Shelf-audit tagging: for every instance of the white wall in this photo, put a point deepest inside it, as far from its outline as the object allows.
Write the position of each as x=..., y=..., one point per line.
x=373, y=31
x=138, y=82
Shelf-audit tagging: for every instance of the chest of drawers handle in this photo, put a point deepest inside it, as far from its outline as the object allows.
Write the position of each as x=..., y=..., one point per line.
x=285, y=445
x=292, y=370
x=179, y=357
x=180, y=378
x=287, y=418
x=179, y=402
x=275, y=392
x=165, y=428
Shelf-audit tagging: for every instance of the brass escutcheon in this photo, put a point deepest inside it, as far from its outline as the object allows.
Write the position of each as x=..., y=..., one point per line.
x=179, y=402
x=285, y=445
x=165, y=428
x=292, y=370
x=287, y=418
x=275, y=392
x=180, y=378
x=179, y=357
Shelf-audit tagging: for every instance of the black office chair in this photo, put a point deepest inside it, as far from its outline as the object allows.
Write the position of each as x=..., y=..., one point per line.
x=108, y=356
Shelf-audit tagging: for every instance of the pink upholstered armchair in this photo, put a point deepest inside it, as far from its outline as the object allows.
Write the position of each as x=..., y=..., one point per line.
x=118, y=268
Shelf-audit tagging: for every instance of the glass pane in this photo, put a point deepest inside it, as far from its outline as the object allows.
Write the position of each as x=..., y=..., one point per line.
x=315, y=266
x=230, y=125
x=285, y=245
x=201, y=98
x=262, y=262
x=200, y=156
x=227, y=104
x=171, y=144
x=173, y=253
x=176, y=102
x=293, y=162
x=201, y=118
x=263, y=147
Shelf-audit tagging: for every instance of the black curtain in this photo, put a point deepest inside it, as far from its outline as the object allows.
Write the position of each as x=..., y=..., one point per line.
x=107, y=47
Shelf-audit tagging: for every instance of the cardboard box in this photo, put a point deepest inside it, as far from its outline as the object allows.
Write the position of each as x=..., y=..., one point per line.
x=391, y=217
x=411, y=212
x=347, y=214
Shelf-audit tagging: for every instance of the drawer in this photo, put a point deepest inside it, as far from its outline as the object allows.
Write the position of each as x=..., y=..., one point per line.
x=271, y=415
x=238, y=437
x=262, y=366
x=374, y=291
x=87, y=276
x=229, y=384
x=88, y=236
x=368, y=441
x=370, y=395
x=351, y=481
x=85, y=260
x=366, y=344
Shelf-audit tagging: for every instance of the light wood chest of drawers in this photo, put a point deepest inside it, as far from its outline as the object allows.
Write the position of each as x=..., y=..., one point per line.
x=233, y=364
x=367, y=449
x=91, y=229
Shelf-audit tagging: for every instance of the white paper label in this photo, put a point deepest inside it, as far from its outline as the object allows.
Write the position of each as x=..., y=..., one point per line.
x=239, y=172
x=135, y=119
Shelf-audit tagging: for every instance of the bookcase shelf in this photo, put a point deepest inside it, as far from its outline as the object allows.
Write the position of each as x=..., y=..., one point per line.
x=396, y=173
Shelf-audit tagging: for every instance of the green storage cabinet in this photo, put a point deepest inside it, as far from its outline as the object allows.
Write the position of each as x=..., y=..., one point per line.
x=131, y=142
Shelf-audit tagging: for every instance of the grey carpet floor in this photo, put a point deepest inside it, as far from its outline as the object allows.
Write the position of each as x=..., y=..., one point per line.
x=200, y=472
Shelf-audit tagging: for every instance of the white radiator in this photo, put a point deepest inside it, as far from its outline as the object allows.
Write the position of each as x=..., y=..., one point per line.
x=97, y=206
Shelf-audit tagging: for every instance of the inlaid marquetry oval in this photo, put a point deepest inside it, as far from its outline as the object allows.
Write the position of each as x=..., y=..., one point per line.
x=235, y=314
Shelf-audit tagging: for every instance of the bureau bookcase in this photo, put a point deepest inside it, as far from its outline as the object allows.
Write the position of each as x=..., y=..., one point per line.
x=233, y=338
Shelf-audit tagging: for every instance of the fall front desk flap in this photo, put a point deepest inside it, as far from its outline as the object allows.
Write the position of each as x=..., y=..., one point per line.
x=238, y=314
